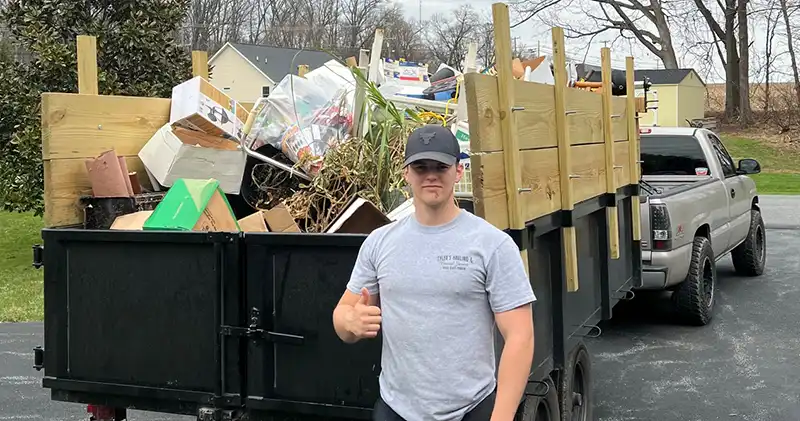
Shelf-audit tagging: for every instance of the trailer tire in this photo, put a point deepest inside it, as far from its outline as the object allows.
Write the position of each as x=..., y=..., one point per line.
x=535, y=408
x=694, y=297
x=575, y=389
x=749, y=257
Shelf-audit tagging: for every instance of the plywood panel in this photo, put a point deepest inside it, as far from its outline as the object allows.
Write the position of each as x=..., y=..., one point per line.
x=65, y=180
x=540, y=174
x=84, y=126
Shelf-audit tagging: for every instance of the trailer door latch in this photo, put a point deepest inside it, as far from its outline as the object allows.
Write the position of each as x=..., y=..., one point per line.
x=254, y=331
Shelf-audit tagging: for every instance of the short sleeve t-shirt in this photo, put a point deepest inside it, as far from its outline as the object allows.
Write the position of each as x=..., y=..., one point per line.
x=439, y=288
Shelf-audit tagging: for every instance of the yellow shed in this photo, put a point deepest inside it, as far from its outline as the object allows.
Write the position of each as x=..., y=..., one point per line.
x=680, y=94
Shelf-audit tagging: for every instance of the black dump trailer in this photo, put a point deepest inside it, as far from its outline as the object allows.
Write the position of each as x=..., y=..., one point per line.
x=223, y=325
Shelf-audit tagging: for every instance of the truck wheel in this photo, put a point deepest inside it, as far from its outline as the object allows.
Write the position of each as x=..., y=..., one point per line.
x=750, y=257
x=534, y=408
x=575, y=389
x=694, y=297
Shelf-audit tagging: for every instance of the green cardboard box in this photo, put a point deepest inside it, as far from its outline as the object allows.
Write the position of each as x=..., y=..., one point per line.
x=193, y=205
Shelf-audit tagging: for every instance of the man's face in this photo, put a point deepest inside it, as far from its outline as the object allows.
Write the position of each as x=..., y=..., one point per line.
x=432, y=181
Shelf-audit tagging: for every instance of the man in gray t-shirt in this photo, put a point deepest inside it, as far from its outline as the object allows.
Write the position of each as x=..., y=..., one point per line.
x=436, y=283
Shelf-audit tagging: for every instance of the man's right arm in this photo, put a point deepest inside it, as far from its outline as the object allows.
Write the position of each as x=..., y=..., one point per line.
x=357, y=316
x=357, y=313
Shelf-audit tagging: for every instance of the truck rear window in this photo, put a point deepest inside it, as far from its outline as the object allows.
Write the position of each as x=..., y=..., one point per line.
x=672, y=155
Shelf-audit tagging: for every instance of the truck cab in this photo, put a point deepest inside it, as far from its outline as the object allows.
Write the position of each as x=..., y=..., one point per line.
x=697, y=206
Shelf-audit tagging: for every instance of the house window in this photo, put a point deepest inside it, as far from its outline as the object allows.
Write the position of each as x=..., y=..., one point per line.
x=264, y=91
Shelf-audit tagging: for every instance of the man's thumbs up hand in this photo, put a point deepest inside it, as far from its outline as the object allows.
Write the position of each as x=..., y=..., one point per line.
x=365, y=320
x=364, y=300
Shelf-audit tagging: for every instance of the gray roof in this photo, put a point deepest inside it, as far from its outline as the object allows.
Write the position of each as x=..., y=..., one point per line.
x=278, y=61
x=656, y=76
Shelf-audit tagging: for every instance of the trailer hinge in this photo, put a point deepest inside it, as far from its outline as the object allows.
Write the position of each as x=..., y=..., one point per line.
x=38, y=358
x=254, y=331
x=37, y=256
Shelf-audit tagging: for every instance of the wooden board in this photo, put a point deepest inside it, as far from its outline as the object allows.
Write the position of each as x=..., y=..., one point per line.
x=65, y=181
x=84, y=126
x=536, y=127
x=540, y=173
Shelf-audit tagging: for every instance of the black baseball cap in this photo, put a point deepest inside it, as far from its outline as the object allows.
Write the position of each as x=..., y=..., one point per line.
x=432, y=141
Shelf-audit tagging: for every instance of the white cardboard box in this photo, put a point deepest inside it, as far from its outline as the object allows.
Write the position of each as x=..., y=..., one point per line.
x=174, y=153
x=198, y=105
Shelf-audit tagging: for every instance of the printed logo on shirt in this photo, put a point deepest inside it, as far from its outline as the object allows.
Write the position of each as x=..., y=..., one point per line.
x=454, y=262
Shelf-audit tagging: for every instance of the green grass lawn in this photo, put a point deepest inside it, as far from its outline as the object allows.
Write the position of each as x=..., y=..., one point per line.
x=21, y=295
x=780, y=170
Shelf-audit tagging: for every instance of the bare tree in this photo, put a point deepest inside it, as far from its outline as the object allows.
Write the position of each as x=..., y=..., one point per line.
x=745, y=116
x=403, y=38
x=730, y=57
x=789, y=42
x=449, y=38
x=645, y=21
x=772, y=17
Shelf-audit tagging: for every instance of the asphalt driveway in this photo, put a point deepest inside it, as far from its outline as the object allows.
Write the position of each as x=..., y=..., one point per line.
x=743, y=366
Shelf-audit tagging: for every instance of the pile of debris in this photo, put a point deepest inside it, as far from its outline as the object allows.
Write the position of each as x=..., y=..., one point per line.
x=321, y=153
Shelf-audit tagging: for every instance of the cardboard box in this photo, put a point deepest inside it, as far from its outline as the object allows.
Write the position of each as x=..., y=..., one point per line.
x=256, y=222
x=198, y=105
x=280, y=220
x=360, y=216
x=132, y=221
x=174, y=153
x=193, y=205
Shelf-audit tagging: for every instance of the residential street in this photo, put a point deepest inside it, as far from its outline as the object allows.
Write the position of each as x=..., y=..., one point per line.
x=743, y=366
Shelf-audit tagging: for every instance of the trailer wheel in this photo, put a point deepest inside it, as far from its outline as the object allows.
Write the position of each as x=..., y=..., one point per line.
x=749, y=257
x=534, y=408
x=694, y=297
x=575, y=388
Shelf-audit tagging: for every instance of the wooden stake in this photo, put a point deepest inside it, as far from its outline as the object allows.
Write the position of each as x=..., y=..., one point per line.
x=633, y=147
x=508, y=121
x=200, y=64
x=375, y=55
x=87, y=65
x=611, y=212
x=469, y=67
x=564, y=163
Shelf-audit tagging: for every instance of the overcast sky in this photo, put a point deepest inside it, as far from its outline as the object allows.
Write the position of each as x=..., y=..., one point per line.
x=534, y=33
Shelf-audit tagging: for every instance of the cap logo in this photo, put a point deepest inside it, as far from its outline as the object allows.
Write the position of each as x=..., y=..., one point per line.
x=427, y=137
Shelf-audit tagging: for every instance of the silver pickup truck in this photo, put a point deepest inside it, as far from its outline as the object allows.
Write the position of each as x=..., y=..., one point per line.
x=697, y=205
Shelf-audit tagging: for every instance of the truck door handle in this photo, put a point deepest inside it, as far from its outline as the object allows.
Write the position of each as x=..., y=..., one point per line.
x=733, y=193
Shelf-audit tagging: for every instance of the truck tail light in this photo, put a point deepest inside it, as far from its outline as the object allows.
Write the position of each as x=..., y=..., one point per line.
x=660, y=225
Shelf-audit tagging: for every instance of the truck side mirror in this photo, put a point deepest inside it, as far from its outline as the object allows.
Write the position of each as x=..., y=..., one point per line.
x=749, y=166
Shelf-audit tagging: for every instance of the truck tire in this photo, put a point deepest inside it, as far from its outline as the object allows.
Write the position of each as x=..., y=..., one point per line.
x=535, y=408
x=575, y=389
x=694, y=297
x=750, y=257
